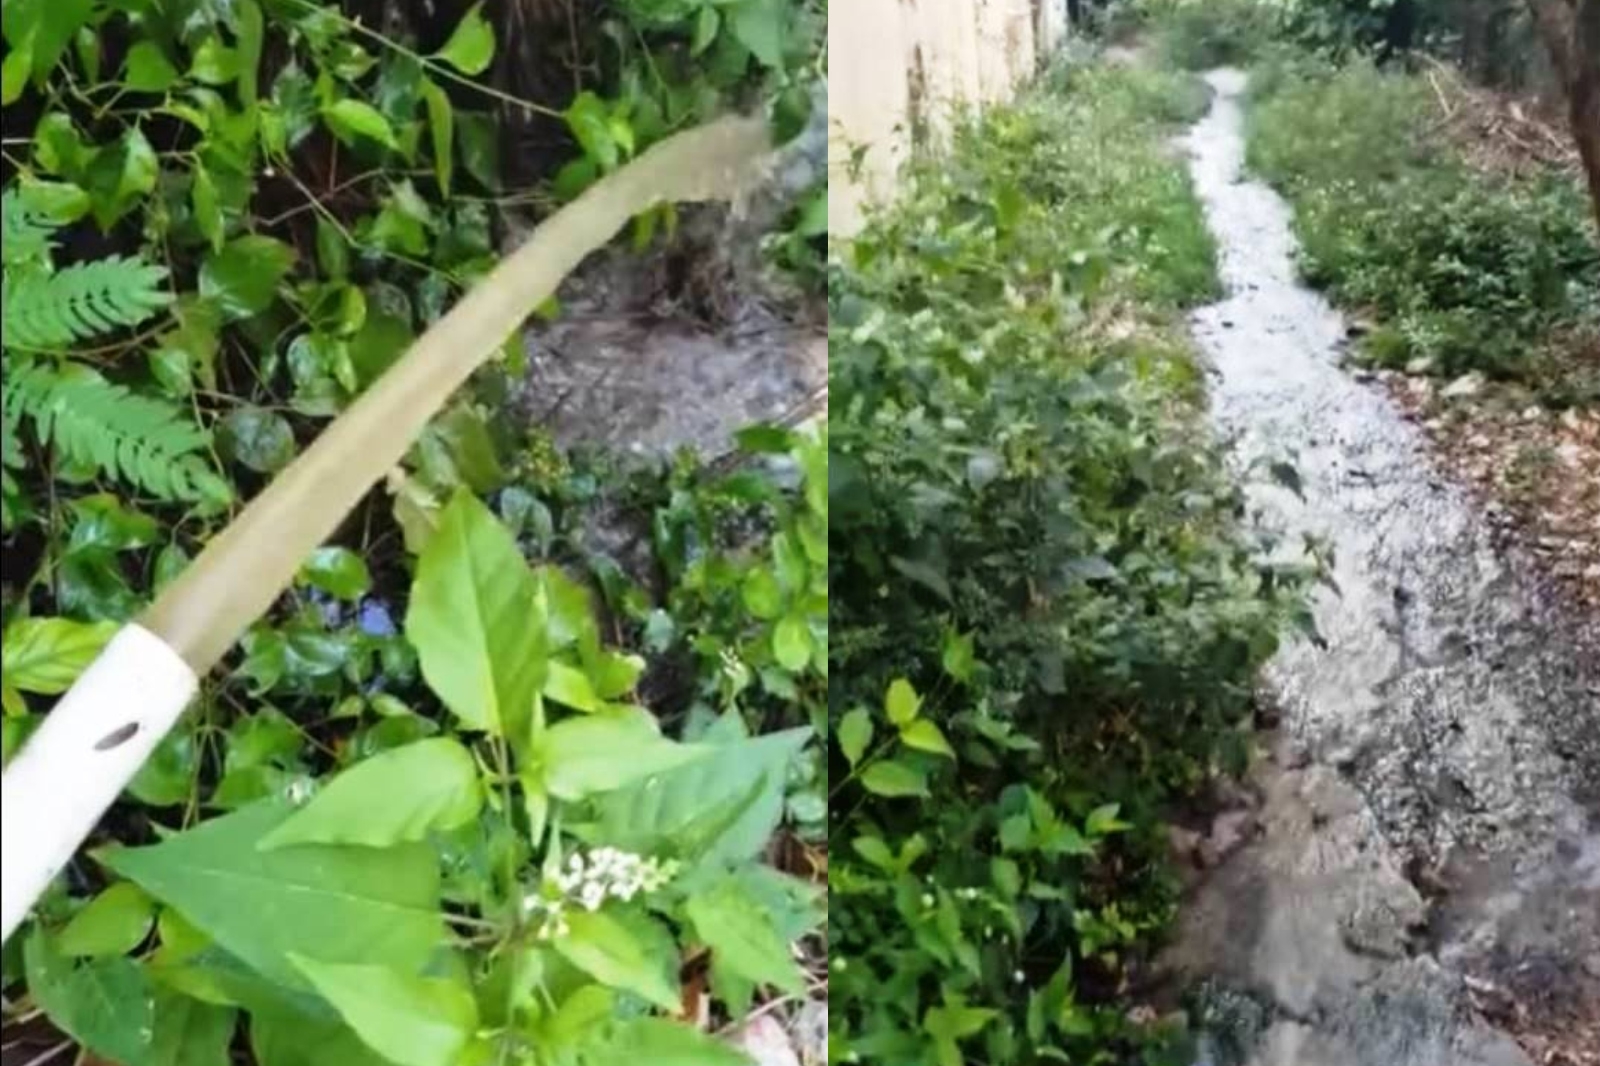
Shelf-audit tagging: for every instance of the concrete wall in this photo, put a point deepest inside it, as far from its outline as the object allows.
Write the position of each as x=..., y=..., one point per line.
x=895, y=66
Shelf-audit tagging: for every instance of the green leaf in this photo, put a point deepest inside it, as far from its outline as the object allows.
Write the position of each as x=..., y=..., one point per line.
x=472, y=620
x=339, y=572
x=46, y=655
x=105, y=1005
x=257, y=438
x=412, y=1021
x=14, y=73
x=207, y=207
x=58, y=201
x=608, y=951
x=760, y=25
x=721, y=808
x=585, y=756
x=147, y=69
x=855, y=734
x=251, y=30
x=660, y=1042
x=191, y=1033
x=113, y=923
x=352, y=119
x=243, y=276
x=398, y=795
x=901, y=702
x=214, y=63
x=953, y=1022
x=791, y=643
x=590, y=122
x=958, y=658
x=570, y=687
x=470, y=48
x=441, y=129
x=739, y=931
x=762, y=595
x=925, y=736
x=894, y=779
x=1103, y=821
x=706, y=24
x=343, y=904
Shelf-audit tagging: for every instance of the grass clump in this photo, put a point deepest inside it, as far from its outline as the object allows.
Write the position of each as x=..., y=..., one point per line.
x=1200, y=34
x=1044, y=610
x=1465, y=270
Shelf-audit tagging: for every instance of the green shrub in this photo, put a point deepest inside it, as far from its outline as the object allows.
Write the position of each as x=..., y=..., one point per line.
x=1200, y=34
x=1469, y=271
x=1045, y=617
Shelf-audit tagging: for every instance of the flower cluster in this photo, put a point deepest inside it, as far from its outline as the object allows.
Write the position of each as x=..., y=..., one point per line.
x=587, y=881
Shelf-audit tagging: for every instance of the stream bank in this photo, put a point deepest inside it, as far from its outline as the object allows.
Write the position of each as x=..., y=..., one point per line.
x=1422, y=882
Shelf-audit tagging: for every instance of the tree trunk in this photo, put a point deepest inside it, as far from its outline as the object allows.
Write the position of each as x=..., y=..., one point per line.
x=1571, y=30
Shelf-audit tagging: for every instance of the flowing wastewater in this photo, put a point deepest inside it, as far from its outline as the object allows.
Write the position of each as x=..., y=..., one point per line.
x=1424, y=868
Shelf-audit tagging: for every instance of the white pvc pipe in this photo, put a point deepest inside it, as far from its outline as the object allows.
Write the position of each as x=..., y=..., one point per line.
x=81, y=758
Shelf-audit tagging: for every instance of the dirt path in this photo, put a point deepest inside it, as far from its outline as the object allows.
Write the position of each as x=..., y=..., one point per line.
x=1425, y=878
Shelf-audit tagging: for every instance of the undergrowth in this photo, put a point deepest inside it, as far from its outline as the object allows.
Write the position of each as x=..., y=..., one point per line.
x=1046, y=609
x=1464, y=270
x=525, y=756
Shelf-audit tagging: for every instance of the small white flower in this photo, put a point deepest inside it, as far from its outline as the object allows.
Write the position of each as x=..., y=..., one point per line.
x=927, y=899
x=1019, y=977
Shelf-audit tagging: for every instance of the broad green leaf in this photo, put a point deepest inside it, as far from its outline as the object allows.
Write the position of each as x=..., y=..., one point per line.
x=901, y=703
x=353, y=119
x=257, y=438
x=762, y=595
x=113, y=923
x=738, y=929
x=190, y=1032
x=1103, y=820
x=441, y=130
x=720, y=809
x=339, y=572
x=660, y=1042
x=412, y=1021
x=147, y=69
x=570, y=687
x=473, y=620
x=925, y=736
x=608, y=951
x=705, y=29
x=207, y=207
x=855, y=734
x=894, y=779
x=760, y=26
x=341, y=903
x=251, y=29
x=590, y=122
x=791, y=643
x=470, y=48
x=104, y=1004
x=953, y=1022
x=957, y=657
x=46, y=655
x=214, y=63
x=398, y=795
x=243, y=277
x=59, y=201
x=14, y=73
x=585, y=756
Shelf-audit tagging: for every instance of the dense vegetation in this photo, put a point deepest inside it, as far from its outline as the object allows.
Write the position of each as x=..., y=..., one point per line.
x=590, y=684
x=1465, y=270
x=1047, y=611
x=1463, y=267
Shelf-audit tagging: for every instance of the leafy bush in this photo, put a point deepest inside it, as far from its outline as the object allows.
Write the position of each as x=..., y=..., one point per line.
x=1045, y=614
x=442, y=805
x=1200, y=34
x=1467, y=270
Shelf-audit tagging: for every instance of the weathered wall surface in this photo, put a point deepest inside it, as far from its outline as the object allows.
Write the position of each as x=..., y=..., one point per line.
x=896, y=68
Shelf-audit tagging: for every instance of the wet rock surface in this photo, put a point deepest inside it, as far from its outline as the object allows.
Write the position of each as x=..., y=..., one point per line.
x=1430, y=824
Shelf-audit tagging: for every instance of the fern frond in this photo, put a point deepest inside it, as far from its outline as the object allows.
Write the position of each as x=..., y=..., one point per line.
x=24, y=236
x=52, y=311
x=146, y=442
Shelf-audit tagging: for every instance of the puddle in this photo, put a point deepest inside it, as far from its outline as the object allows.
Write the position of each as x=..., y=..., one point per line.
x=1449, y=723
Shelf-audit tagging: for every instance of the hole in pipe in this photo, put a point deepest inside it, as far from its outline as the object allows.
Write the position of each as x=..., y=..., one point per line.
x=118, y=736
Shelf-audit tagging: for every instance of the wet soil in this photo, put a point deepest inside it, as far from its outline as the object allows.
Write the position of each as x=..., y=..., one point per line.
x=1431, y=812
